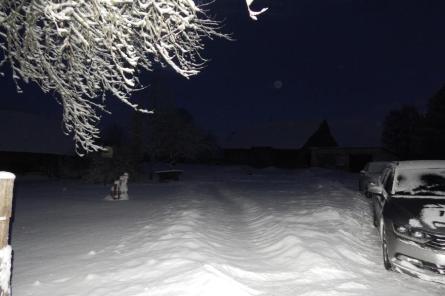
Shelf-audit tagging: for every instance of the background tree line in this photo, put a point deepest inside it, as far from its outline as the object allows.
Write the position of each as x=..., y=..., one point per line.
x=413, y=134
x=169, y=135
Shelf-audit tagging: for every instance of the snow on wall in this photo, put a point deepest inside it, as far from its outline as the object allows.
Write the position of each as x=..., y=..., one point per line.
x=5, y=267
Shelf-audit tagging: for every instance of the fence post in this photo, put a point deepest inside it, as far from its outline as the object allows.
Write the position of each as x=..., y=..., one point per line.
x=6, y=193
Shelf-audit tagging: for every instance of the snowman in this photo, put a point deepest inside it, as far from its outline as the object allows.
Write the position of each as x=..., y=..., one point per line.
x=119, y=189
x=123, y=187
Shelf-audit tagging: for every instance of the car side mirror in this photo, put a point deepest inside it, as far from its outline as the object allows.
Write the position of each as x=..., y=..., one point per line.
x=375, y=189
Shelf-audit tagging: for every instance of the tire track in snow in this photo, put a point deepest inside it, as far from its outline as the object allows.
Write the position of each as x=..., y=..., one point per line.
x=259, y=231
x=321, y=243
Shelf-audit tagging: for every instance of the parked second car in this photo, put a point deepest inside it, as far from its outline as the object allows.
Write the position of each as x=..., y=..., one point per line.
x=409, y=211
x=371, y=174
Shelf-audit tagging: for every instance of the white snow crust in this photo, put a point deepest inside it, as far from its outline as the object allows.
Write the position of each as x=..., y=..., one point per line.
x=219, y=231
x=7, y=175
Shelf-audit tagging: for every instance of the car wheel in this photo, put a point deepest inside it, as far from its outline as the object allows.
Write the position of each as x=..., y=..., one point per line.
x=386, y=262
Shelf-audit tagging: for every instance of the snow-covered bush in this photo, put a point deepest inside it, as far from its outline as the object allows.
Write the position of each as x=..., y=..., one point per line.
x=84, y=49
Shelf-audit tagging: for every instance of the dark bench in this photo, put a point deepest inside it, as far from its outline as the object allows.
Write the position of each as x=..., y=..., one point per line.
x=164, y=176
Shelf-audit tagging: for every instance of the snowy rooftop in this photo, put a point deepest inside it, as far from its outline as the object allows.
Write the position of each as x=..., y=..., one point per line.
x=24, y=132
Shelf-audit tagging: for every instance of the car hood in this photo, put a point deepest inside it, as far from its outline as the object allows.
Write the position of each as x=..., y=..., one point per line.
x=423, y=213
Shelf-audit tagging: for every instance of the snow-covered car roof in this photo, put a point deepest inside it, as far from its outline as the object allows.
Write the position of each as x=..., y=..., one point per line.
x=420, y=164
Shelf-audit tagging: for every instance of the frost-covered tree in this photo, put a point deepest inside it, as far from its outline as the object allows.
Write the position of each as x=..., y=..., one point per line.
x=172, y=135
x=82, y=50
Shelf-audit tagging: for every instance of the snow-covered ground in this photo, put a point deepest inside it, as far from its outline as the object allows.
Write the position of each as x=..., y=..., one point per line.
x=219, y=231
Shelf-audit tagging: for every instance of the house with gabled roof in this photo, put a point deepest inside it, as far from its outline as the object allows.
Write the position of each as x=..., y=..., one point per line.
x=297, y=144
x=280, y=144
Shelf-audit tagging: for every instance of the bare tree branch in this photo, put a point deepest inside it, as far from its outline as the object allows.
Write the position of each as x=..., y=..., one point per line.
x=80, y=50
x=254, y=14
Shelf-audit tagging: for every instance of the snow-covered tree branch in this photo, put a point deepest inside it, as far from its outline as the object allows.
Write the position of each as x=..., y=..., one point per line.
x=254, y=14
x=81, y=50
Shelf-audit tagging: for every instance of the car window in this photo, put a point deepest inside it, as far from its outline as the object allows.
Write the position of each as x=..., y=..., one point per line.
x=385, y=176
x=377, y=167
x=366, y=168
x=389, y=182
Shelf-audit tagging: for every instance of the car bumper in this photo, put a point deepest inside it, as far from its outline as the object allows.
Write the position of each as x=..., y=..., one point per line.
x=412, y=258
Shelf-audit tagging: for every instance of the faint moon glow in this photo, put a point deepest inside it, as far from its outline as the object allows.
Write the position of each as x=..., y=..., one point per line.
x=278, y=84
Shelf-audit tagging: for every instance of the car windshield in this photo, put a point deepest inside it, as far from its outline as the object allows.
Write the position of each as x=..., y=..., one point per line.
x=376, y=167
x=421, y=182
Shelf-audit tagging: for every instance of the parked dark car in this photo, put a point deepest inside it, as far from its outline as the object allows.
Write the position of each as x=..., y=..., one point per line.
x=371, y=174
x=409, y=211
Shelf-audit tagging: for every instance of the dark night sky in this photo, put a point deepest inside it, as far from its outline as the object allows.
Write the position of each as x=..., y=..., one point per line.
x=347, y=61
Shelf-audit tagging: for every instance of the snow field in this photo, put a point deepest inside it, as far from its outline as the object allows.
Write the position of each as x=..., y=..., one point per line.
x=219, y=232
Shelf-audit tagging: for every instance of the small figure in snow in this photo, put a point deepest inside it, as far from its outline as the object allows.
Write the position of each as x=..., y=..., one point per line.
x=115, y=190
x=119, y=190
x=123, y=187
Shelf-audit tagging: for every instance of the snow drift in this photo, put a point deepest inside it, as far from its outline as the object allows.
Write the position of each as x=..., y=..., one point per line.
x=219, y=232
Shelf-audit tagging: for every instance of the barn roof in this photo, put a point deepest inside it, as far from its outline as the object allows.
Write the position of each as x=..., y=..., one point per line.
x=279, y=135
x=295, y=134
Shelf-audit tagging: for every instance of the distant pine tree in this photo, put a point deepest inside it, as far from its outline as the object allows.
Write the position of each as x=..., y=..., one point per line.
x=436, y=110
x=434, y=127
x=173, y=136
x=402, y=131
x=322, y=137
